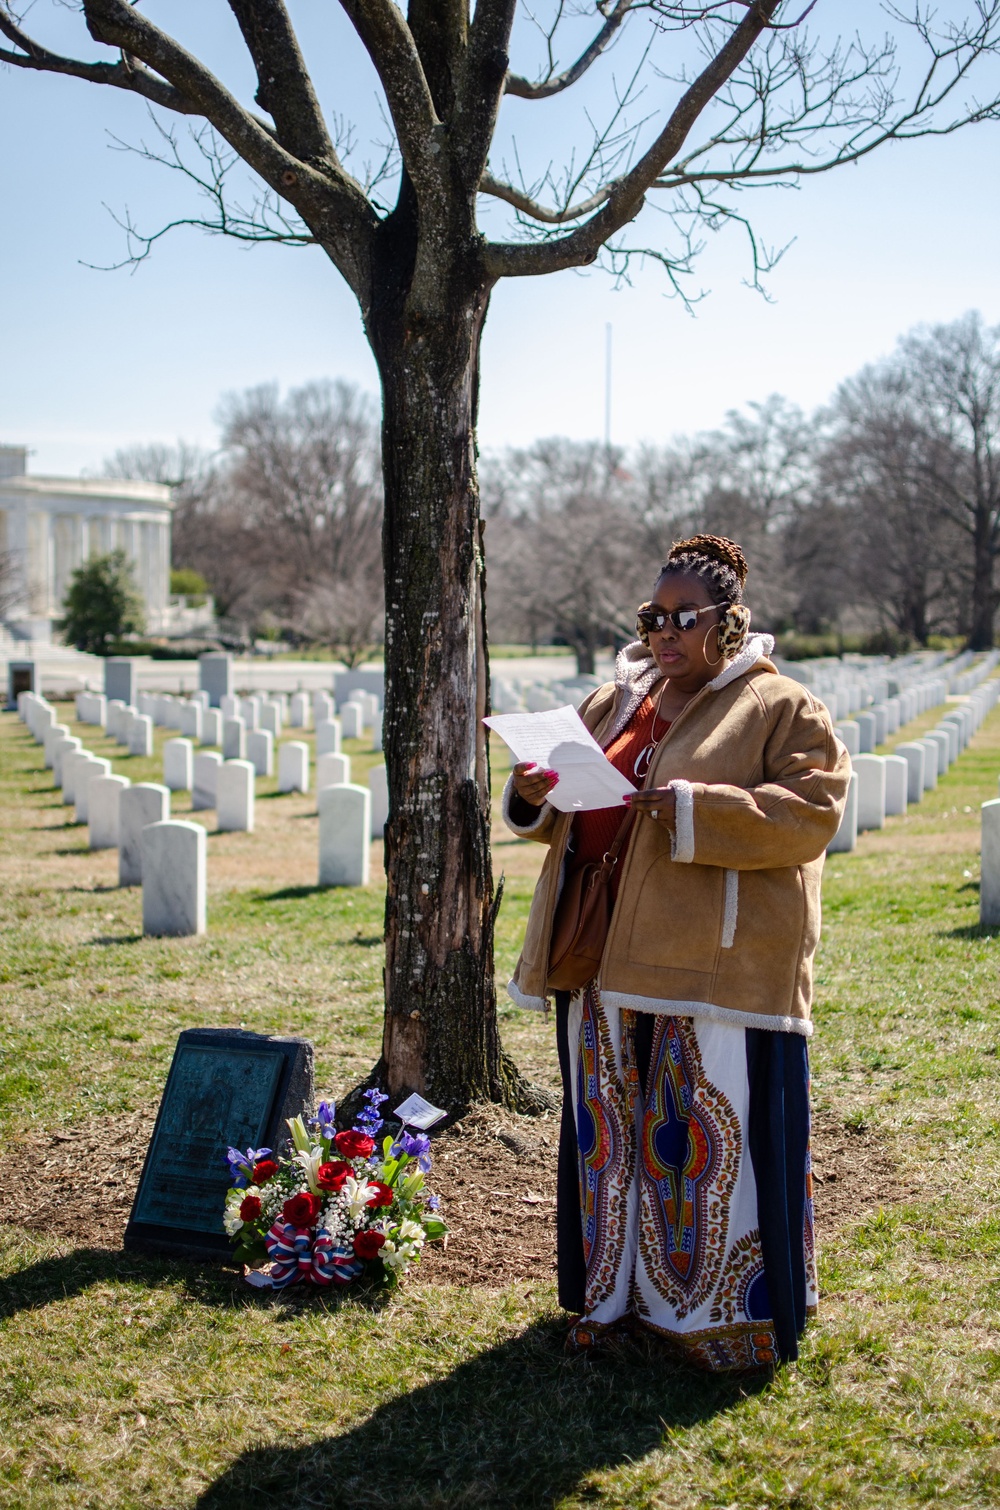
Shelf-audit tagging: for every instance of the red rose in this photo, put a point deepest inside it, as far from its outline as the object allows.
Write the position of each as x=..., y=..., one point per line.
x=332, y=1176
x=264, y=1170
x=302, y=1210
x=367, y=1244
x=354, y=1145
x=382, y=1196
x=250, y=1208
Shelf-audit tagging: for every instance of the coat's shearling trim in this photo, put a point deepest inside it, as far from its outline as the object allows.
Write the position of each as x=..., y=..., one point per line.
x=526, y=1003
x=636, y=674
x=626, y=1002
x=682, y=840
x=517, y=828
x=731, y=909
x=755, y=649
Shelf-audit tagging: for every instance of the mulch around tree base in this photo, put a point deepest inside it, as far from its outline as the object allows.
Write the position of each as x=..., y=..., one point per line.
x=495, y=1173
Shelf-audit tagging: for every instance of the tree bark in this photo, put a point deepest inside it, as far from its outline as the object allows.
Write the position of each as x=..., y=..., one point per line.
x=586, y=658
x=441, y=1035
x=983, y=590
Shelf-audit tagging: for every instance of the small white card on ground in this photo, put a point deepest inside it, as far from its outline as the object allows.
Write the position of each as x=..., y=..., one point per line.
x=416, y=1112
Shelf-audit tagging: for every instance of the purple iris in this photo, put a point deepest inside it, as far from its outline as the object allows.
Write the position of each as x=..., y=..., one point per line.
x=241, y=1164
x=324, y=1120
x=415, y=1146
x=433, y=1202
x=369, y=1121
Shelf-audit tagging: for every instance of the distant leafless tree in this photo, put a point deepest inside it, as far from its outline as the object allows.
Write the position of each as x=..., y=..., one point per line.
x=181, y=466
x=305, y=474
x=284, y=521
x=874, y=467
x=954, y=378
x=744, y=480
x=567, y=555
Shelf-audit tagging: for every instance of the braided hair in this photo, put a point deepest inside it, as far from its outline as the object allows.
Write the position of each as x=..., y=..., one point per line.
x=718, y=562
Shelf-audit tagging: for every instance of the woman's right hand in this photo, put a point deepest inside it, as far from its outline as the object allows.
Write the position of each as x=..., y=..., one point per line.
x=533, y=783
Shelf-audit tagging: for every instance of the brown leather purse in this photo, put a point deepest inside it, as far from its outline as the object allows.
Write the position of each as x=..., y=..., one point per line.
x=583, y=919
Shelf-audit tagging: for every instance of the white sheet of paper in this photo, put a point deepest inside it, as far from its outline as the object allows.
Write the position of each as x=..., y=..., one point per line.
x=416, y=1112
x=560, y=740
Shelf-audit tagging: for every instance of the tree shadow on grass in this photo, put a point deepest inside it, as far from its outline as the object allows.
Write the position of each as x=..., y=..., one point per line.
x=207, y=1283
x=295, y=893
x=971, y=931
x=519, y=1426
x=52, y=1280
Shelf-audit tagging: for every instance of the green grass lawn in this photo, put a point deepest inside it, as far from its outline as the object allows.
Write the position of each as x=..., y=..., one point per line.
x=133, y=1382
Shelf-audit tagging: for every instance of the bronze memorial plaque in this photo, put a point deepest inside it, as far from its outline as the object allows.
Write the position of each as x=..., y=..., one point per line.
x=225, y=1088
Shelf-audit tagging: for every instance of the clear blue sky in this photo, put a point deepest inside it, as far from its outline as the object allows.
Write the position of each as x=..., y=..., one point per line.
x=90, y=361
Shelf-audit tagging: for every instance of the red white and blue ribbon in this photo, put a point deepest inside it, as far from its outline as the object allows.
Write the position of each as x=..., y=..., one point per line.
x=297, y=1254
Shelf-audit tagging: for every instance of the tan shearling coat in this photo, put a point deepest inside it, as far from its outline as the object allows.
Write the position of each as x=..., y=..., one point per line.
x=721, y=918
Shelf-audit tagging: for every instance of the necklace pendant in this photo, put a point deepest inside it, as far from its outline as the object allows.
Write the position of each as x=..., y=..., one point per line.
x=642, y=760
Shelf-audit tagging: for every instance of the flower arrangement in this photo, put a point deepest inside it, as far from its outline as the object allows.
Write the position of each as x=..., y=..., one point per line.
x=336, y=1207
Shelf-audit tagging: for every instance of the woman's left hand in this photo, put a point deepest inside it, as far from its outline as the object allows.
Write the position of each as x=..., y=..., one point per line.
x=656, y=802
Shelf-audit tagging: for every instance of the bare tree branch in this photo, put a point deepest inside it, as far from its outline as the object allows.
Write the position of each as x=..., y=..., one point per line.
x=284, y=87
x=528, y=206
x=626, y=199
x=555, y=83
x=264, y=221
x=389, y=43
x=480, y=90
x=333, y=203
x=128, y=73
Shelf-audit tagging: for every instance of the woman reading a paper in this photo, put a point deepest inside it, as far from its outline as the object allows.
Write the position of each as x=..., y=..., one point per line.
x=684, y=1192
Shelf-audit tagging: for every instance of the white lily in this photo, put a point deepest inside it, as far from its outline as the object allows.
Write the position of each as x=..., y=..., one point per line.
x=300, y=1137
x=397, y=1256
x=309, y=1160
x=411, y=1232
x=356, y=1194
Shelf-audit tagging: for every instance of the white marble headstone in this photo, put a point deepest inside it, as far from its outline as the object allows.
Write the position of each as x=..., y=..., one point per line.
x=378, y=784
x=260, y=750
x=328, y=732
x=344, y=835
x=205, y=778
x=178, y=760
x=173, y=879
x=234, y=803
x=146, y=802
x=293, y=766
x=103, y=800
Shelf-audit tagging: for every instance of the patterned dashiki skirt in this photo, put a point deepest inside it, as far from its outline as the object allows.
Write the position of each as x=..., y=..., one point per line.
x=685, y=1196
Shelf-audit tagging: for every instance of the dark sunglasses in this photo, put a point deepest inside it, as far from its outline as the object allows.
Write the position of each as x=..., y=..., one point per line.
x=653, y=620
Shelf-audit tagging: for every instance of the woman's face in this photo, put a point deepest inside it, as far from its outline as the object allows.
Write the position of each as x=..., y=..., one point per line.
x=680, y=654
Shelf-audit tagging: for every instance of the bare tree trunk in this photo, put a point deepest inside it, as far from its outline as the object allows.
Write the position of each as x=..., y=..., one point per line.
x=585, y=657
x=983, y=591
x=441, y=1036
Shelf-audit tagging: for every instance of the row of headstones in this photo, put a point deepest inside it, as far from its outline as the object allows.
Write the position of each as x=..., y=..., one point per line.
x=244, y=728
x=167, y=857
x=882, y=786
x=846, y=688
x=514, y=695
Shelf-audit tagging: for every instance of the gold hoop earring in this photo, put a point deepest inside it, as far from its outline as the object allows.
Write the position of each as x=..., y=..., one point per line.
x=704, y=649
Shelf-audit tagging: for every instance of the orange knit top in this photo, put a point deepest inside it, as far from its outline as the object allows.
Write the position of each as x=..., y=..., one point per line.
x=594, y=833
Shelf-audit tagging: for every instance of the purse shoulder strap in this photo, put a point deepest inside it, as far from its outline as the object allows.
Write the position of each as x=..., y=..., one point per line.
x=611, y=856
